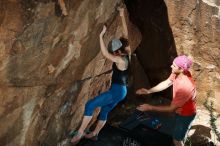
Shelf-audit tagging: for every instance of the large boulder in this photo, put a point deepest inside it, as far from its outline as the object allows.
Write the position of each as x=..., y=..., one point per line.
x=51, y=65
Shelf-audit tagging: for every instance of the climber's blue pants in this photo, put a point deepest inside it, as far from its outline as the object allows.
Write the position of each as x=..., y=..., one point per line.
x=107, y=101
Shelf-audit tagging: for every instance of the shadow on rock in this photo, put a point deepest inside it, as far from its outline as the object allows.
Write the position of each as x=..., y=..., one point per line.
x=200, y=137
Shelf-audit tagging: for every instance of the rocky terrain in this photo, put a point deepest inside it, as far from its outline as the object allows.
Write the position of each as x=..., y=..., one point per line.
x=51, y=64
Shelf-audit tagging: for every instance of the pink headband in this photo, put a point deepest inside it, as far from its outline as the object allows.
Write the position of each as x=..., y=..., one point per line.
x=183, y=62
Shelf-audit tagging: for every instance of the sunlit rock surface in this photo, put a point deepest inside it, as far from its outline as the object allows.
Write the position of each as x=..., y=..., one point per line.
x=50, y=65
x=196, y=29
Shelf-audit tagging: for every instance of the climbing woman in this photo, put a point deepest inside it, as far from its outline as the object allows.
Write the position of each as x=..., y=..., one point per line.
x=118, y=54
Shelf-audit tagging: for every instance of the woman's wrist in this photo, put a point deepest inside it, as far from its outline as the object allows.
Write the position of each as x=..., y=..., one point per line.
x=101, y=35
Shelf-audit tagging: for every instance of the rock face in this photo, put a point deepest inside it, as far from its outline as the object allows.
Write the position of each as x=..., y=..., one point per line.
x=180, y=27
x=196, y=29
x=50, y=65
x=157, y=48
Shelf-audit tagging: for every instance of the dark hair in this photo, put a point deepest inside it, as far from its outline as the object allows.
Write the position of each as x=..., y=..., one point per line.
x=125, y=43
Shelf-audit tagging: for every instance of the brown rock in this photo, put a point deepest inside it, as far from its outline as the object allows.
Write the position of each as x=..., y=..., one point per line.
x=50, y=66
